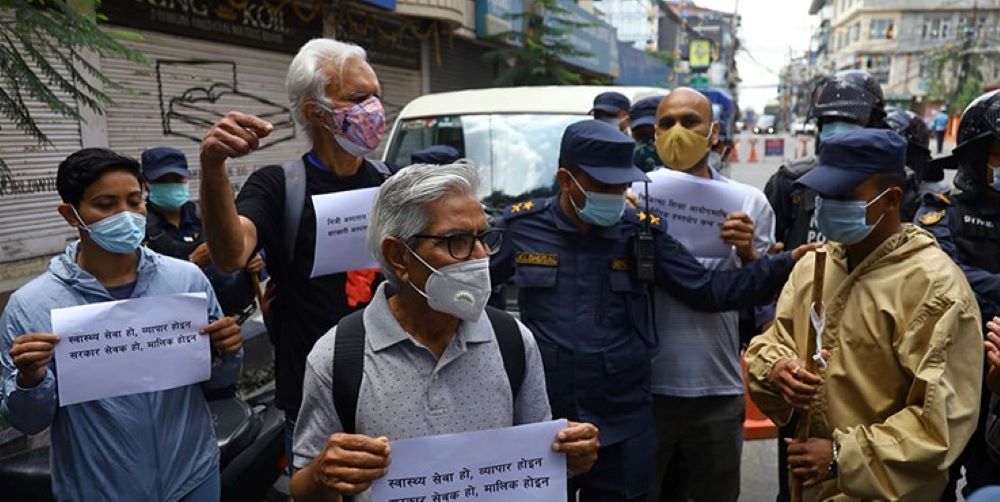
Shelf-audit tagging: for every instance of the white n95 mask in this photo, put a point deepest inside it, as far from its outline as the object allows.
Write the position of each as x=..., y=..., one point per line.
x=461, y=289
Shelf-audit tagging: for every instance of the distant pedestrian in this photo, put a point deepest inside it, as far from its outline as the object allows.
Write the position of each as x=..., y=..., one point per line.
x=940, y=124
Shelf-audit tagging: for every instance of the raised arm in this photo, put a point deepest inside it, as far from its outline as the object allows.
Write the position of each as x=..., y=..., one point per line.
x=231, y=238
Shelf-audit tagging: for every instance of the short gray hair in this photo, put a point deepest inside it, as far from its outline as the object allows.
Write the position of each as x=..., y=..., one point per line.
x=306, y=80
x=400, y=208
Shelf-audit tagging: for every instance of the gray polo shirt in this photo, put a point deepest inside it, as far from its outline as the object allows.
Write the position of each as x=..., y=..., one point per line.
x=407, y=392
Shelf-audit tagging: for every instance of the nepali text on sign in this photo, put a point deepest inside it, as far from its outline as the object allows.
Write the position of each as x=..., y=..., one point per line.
x=514, y=463
x=124, y=347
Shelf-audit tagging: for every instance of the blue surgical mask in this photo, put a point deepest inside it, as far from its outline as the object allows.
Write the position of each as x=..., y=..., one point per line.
x=834, y=128
x=121, y=233
x=169, y=196
x=601, y=209
x=845, y=221
x=996, y=177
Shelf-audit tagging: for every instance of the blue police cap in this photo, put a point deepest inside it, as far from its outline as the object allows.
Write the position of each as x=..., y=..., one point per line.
x=611, y=102
x=163, y=160
x=435, y=154
x=643, y=112
x=848, y=159
x=602, y=151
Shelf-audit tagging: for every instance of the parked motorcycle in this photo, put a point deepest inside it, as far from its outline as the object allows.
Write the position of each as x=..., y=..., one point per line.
x=251, y=445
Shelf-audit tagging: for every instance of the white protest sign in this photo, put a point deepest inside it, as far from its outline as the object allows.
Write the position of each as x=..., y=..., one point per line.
x=126, y=347
x=341, y=226
x=694, y=209
x=514, y=463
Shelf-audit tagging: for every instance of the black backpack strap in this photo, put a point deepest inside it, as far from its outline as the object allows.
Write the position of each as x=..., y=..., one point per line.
x=383, y=168
x=295, y=197
x=348, y=367
x=511, y=344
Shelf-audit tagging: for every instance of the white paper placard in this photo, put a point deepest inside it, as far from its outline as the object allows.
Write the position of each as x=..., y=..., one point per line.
x=693, y=209
x=341, y=226
x=126, y=347
x=499, y=465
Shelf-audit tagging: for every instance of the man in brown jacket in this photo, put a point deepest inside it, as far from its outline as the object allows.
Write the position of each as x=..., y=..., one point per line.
x=896, y=396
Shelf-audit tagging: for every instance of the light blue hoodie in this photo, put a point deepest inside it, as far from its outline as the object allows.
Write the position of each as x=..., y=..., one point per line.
x=156, y=446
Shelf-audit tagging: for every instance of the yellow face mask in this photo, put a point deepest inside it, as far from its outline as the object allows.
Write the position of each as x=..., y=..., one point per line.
x=681, y=148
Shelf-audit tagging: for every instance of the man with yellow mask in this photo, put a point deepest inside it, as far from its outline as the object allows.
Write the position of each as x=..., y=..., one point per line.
x=697, y=381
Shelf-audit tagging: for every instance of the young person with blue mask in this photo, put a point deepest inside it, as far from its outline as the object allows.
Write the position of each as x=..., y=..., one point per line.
x=895, y=398
x=154, y=446
x=173, y=227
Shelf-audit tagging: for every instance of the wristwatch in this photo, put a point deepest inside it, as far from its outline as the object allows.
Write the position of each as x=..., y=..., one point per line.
x=833, y=461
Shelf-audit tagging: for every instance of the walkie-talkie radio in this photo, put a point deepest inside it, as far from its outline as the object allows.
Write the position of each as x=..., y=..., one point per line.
x=642, y=252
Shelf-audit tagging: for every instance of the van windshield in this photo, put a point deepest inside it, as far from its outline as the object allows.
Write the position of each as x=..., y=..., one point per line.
x=517, y=154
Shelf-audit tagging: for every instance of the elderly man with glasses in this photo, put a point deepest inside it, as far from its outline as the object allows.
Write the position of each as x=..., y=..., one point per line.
x=432, y=362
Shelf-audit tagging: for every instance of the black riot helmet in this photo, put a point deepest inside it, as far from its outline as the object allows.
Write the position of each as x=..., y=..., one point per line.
x=852, y=95
x=918, y=137
x=980, y=125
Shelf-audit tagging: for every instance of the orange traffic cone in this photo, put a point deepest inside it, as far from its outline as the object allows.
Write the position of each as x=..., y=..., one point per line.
x=805, y=148
x=753, y=152
x=756, y=425
x=734, y=152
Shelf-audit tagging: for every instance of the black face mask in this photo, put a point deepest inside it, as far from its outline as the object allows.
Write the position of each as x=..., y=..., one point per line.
x=645, y=156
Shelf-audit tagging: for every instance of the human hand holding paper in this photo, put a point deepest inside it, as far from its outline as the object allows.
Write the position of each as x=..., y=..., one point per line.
x=350, y=463
x=579, y=441
x=32, y=353
x=738, y=230
x=225, y=334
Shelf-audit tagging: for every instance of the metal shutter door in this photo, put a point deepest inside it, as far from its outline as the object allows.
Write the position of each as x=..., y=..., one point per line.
x=399, y=87
x=29, y=223
x=136, y=123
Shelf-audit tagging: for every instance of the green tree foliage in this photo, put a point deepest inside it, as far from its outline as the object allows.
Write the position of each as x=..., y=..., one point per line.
x=537, y=52
x=44, y=48
x=665, y=57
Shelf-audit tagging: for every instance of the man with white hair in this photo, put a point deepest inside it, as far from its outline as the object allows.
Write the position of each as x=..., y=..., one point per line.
x=334, y=94
x=432, y=362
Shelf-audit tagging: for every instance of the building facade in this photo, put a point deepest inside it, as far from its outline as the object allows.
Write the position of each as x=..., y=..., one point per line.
x=704, y=44
x=903, y=43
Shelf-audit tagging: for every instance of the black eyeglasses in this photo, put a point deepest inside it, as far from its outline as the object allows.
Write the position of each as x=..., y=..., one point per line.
x=462, y=244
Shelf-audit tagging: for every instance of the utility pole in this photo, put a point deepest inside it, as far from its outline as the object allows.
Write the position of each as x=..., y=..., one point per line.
x=965, y=66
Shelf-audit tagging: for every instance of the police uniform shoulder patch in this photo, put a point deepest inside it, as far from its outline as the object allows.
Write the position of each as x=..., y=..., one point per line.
x=931, y=218
x=642, y=217
x=526, y=207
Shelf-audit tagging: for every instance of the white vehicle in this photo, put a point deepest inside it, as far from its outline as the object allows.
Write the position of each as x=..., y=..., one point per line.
x=512, y=133
x=802, y=126
x=764, y=125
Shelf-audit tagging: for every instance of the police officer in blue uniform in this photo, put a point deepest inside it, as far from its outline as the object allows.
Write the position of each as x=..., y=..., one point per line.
x=967, y=226
x=922, y=176
x=585, y=295
x=851, y=99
